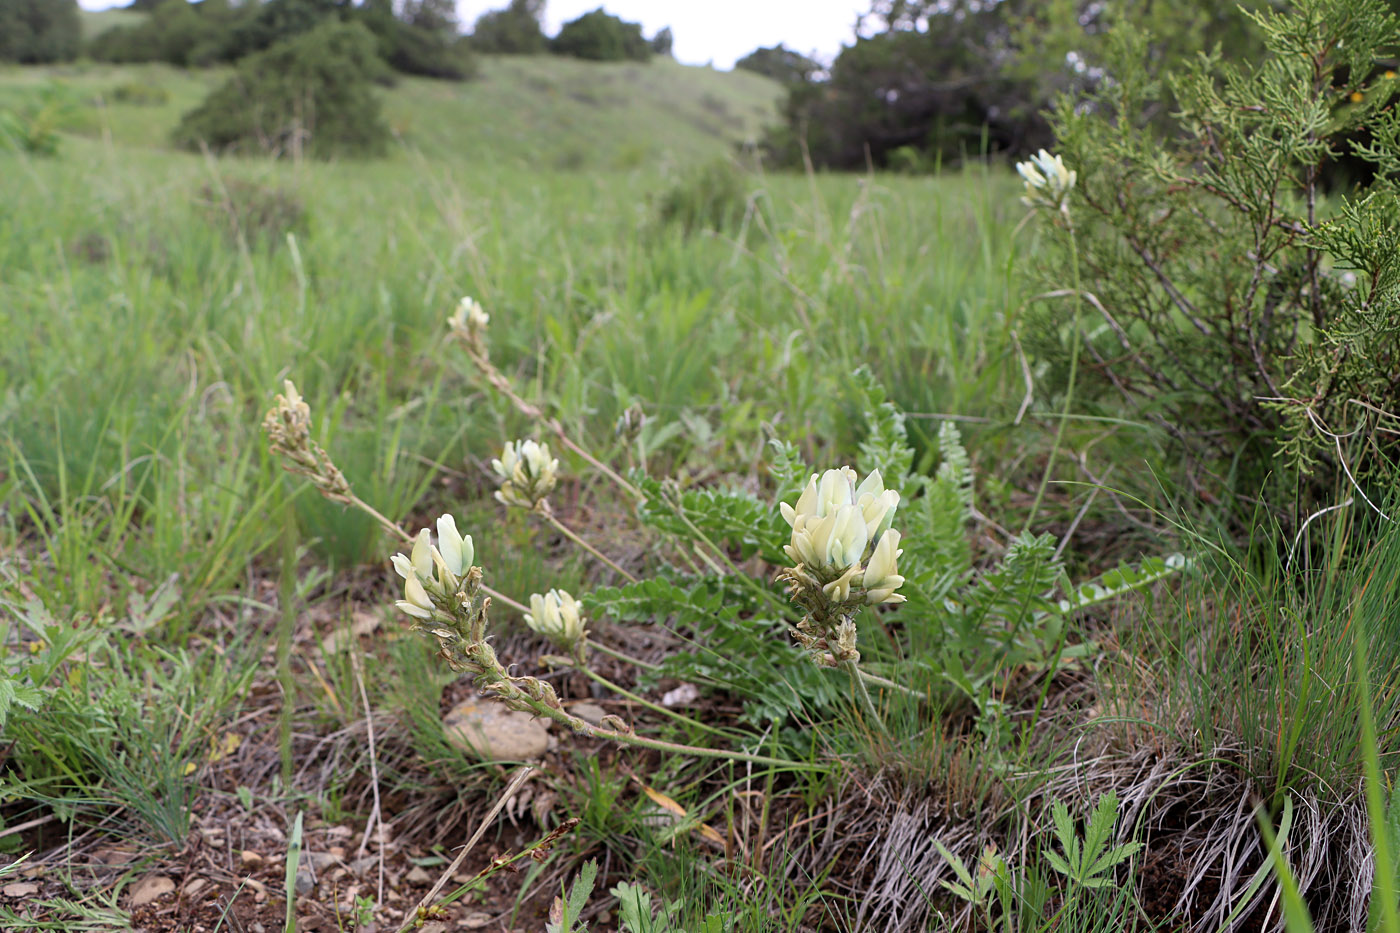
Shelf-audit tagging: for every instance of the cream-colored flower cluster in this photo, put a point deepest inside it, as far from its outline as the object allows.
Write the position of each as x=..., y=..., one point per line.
x=1048, y=182
x=557, y=616
x=528, y=474
x=433, y=574
x=833, y=524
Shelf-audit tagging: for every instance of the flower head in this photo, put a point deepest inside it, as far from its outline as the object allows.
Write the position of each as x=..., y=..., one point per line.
x=528, y=474
x=451, y=558
x=469, y=322
x=557, y=616
x=835, y=519
x=1048, y=182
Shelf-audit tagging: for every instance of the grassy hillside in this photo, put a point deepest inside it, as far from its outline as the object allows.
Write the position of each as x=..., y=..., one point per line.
x=540, y=112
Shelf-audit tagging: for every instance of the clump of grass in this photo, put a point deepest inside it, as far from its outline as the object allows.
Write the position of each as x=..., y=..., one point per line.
x=255, y=212
x=716, y=196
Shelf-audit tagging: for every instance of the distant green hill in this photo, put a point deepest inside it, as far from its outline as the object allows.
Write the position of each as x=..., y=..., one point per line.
x=532, y=111
x=96, y=22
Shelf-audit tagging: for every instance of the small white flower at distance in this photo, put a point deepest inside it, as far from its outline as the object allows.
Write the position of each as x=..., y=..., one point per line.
x=470, y=319
x=557, y=616
x=527, y=472
x=1048, y=181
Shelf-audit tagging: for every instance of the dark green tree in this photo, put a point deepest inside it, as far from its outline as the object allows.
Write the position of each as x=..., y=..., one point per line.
x=175, y=31
x=781, y=64
x=945, y=78
x=662, y=42
x=514, y=30
x=278, y=20
x=421, y=40
x=312, y=94
x=601, y=37
x=38, y=31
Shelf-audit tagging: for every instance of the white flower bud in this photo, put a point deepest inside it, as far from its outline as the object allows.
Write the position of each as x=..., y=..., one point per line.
x=422, y=555
x=416, y=601
x=457, y=551
x=881, y=576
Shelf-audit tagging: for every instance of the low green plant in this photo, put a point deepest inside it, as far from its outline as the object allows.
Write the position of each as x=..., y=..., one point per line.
x=840, y=563
x=714, y=197
x=1017, y=898
x=33, y=126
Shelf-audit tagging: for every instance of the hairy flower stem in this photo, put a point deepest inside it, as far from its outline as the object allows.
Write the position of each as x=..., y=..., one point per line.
x=564, y=530
x=1069, y=388
x=858, y=682
x=554, y=660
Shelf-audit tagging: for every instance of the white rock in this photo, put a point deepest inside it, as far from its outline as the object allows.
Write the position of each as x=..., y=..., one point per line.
x=149, y=888
x=488, y=729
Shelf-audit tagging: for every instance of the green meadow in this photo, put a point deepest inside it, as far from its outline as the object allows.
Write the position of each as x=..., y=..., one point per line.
x=207, y=692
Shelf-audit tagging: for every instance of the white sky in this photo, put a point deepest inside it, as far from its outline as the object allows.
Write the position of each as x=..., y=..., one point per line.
x=705, y=30
x=714, y=30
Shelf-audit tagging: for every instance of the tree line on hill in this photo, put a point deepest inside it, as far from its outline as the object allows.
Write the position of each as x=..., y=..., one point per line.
x=415, y=37
x=304, y=70
x=924, y=83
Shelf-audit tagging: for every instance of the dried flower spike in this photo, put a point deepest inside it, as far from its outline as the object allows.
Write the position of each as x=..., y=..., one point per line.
x=288, y=429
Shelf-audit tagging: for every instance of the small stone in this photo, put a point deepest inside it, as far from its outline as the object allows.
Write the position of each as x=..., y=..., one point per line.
x=418, y=875
x=319, y=861
x=683, y=695
x=257, y=928
x=476, y=921
x=495, y=733
x=194, y=886
x=149, y=888
x=363, y=866
x=20, y=889
x=250, y=859
x=337, y=851
x=589, y=712
x=305, y=883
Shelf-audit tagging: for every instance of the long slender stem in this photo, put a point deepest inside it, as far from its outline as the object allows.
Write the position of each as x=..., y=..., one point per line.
x=559, y=661
x=879, y=681
x=623, y=738
x=1069, y=389
x=858, y=682
x=624, y=658
x=564, y=530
